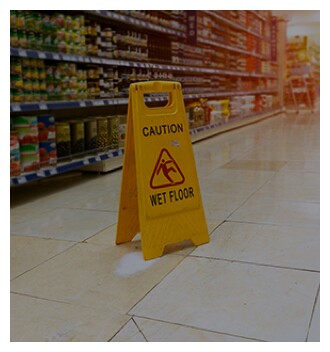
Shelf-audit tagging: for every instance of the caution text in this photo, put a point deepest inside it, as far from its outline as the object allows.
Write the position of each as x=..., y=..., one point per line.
x=171, y=196
x=149, y=131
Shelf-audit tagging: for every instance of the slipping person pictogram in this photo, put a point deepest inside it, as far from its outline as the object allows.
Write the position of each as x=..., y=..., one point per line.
x=166, y=172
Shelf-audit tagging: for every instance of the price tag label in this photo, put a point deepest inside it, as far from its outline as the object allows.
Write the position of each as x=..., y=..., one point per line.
x=22, y=52
x=21, y=180
x=43, y=106
x=16, y=108
x=98, y=102
x=41, y=55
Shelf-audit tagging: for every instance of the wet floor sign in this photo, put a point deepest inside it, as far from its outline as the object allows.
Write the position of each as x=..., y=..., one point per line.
x=160, y=195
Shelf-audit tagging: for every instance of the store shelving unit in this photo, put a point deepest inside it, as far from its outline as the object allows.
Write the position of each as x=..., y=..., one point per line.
x=173, y=27
x=303, y=70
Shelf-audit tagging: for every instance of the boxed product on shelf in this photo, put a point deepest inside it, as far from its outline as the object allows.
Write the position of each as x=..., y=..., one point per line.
x=47, y=140
x=47, y=153
x=14, y=154
x=219, y=110
x=46, y=128
x=242, y=105
x=29, y=159
x=195, y=114
x=27, y=130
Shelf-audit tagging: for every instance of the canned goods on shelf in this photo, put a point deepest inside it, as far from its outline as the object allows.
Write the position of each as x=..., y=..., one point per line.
x=113, y=131
x=102, y=133
x=63, y=140
x=90, y=134
x=77, y=136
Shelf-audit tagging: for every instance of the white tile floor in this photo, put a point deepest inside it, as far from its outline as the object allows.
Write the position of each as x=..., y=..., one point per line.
x=257, y=280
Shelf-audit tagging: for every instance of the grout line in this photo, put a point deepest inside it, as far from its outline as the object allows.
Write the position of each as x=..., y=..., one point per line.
x=132, y=307
x=197, y=328
x=46, y=260
x=273, y=224
x=253, y=263
x=119, y=330
x=53, y=300
x=314, y=305
x=139, y=329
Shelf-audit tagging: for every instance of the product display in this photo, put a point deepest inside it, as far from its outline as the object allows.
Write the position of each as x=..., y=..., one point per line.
x=27, y=132
x=63, y=140
x=63, y=60
x=303, y=70
x=14, y=154
x=47, y=140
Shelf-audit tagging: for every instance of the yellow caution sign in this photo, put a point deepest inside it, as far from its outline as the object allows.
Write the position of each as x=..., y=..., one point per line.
x=160, y=195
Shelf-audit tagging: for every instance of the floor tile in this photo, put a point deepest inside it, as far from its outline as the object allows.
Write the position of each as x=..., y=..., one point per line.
x=107, y=200
x=281, y=153
x=157, y=331
x=25, y=213
x=107, y=237
x=295, y=186
x=258, y=209
x=302, y=166
x=51, y=192
x=292, y=247
x=39, y=320
x=262, y=165
x=218, y=207
x=129, y=333
x=111, y=277
x=314, y=330
x=28, y=252
x=239, y=299
x=234, y=182
x=65, y=224
x=254, y=280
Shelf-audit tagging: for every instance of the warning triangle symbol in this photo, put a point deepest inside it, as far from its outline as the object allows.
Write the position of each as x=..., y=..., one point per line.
x=167, y=172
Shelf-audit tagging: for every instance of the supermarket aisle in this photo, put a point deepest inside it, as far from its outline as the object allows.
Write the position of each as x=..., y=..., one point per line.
x=257, y=279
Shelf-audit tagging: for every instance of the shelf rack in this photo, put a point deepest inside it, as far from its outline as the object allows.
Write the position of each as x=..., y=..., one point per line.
x=115, y=156
x=197, y=134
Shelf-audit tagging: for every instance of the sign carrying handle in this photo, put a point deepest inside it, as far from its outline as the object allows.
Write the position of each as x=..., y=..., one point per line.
x=172, y=88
